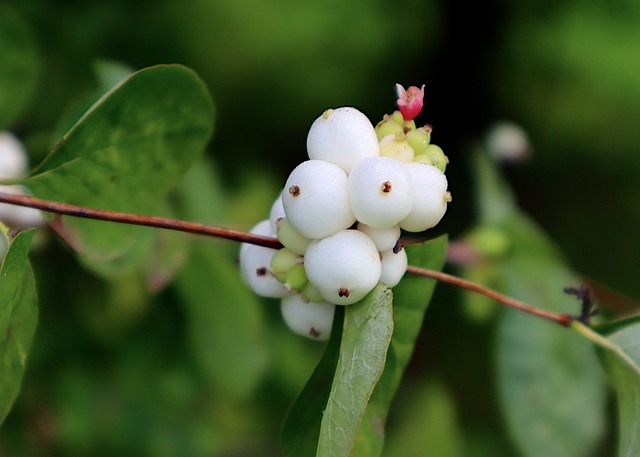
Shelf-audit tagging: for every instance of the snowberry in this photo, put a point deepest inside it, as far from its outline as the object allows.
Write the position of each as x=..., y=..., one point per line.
x=384, y=239
x=290, y=237
x=316, y=199
x=19, y=217
x=394, y=265
x=388, y=126
x=343, y=136
x=276, y=213
x=344, y=266
x=282, y=261
x=380, y=192
x=396, y=147
x=311, y=319
x=13, y=157
x=430, y=197
x=296, y=278
x=419, y=139
x=255, y=265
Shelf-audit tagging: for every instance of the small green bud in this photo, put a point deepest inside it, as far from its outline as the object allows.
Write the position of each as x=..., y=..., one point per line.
x=311, y=293
x=296, y=278
x=436, y=154
x=290, y=237
x=397, y=116
x=387, y=126
x=419, y=139
x=282, y=261
x=409, y=125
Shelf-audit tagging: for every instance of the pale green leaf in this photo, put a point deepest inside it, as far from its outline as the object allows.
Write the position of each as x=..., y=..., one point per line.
x=18, y=318
x=125, y=153
x=366, y=336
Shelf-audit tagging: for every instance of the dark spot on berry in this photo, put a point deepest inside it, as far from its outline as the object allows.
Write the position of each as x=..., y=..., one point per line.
x=386, y=187
x=262, y=271
x=343, y=292
x=314, y=333
x=294, y=190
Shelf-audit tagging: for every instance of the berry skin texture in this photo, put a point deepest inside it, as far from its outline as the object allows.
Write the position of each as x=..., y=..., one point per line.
x=311, y=319
x=255, y=265
x=343, y=136
x=430, y=197
x=316, y=199
x=394, y=266
x=380, y=192
x=344, y=266
x=384, y=239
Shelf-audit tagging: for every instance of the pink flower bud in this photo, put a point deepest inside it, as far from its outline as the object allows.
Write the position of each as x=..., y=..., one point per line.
x=410, y=101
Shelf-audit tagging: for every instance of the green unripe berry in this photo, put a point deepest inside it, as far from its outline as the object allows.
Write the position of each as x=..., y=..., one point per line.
x=436, y=154
x=396, y=147
x=409, y=125
x=387, y=126
x=397, y=116
x=311, y=293
x=290, y=237
x=423, y=158
x=419, y=139
x=282, y=261
x=296, y=278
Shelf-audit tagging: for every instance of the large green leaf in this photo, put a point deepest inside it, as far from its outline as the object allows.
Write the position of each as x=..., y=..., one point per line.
x=125, y=153
x=18, y=318
x=366, y=336
x=545, y=373
x=302, y=426
x=551, y=387
x=18, y=68
x=621, y=358
x=224, y=321
x=411, y=299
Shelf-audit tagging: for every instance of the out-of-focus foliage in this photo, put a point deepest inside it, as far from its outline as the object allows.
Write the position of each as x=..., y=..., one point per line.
x=117, y=369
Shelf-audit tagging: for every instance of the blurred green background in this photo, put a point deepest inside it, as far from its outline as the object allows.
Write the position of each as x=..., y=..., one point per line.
x=116, y=376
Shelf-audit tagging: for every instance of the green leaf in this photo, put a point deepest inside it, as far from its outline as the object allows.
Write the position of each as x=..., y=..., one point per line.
x=366, y=336
x=18, y=318
x=552, y=390
x=18, y=69
x=411, y=299
x=301, y=429
x=224, y=321
x=621, y=359
x=125, y=153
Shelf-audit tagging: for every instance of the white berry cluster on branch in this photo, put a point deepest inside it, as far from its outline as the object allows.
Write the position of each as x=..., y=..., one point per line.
x=341, y=213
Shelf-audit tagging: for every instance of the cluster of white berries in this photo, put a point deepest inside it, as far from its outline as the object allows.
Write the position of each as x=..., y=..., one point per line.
x=14, y=165
x=340, y=214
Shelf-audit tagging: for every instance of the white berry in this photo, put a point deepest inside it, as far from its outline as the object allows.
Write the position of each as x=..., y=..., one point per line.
x=316, y=199
x=394, y=265
x=13, y=157
x=255, y=265
x=311, y=319
x=380, y=192
x=384, y=239
x=343, y=136
x=430, y=197
x=344, y=266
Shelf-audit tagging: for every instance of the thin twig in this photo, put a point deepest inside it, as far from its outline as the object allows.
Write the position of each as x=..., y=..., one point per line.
x=229, y=234
x=137, y=219
x=562, y=319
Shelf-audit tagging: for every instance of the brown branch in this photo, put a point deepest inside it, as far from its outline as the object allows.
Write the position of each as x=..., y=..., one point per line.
x=235, y=235
x=562, y=319
x=136, y=219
